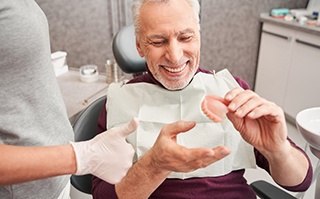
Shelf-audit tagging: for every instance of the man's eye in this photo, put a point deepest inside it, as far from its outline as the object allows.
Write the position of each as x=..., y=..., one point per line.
x=157, y=43
x=186, y=38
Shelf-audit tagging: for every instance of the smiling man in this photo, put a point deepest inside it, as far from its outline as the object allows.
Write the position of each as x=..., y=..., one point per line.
x=179, y=152
x=172, y=49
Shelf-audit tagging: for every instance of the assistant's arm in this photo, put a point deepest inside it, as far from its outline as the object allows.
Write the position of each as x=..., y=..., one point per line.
x=20, y=164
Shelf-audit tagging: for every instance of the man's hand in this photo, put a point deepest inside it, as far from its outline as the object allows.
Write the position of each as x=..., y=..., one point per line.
x=260, y=122
x=167, y=155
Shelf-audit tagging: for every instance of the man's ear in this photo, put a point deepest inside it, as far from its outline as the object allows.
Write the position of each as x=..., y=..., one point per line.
x=139, y=48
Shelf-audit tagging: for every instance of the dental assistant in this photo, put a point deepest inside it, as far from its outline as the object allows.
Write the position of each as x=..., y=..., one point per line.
x=37, y=151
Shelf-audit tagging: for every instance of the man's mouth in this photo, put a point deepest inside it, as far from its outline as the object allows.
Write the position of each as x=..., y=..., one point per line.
x=174, y=69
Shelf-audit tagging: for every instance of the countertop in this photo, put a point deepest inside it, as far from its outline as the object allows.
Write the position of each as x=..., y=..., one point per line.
x=77, y=95
x=265, y=17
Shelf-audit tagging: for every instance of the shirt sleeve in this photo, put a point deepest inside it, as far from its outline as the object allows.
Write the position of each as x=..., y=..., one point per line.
x=102, y=189
x=263, y=163
x=242, y=83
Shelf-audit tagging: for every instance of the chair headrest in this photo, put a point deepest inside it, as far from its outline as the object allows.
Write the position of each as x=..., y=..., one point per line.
x=125, y=52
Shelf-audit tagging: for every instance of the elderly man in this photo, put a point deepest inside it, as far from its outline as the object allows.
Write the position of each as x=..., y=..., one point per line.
x=208, y=159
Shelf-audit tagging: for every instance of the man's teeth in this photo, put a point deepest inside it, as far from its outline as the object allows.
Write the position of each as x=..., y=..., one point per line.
x=175, y=70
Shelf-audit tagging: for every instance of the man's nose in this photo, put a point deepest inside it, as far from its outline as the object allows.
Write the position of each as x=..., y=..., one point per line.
x=174, y=52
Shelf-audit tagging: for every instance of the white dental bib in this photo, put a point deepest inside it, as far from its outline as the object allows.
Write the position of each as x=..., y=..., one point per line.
x=155, y=106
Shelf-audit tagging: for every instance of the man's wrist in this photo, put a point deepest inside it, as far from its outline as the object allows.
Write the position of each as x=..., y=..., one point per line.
x=148, y=163
x=279, y=153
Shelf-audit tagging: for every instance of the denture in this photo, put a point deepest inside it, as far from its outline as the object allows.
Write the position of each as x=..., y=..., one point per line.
x=214, y=107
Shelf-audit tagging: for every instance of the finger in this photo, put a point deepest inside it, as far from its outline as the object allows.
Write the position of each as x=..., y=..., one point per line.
x=200, y=153
x=268, y=109
x=128, y=128
x=233, y=93
x=175, y=128
x=249, y=106
x=206, y=161
x=240, y=99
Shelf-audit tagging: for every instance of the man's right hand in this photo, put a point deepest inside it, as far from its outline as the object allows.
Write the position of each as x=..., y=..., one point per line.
x=167, y=155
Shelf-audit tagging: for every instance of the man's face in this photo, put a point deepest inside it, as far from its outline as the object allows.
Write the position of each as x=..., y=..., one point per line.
x=170, y=42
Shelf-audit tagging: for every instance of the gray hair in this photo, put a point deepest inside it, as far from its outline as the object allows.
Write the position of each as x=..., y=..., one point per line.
x=137, y=4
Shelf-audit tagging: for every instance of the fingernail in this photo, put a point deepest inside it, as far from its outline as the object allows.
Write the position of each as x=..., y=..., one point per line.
x=232, y=106
x=228, y=97
x=252, y=114
x=225, y=152
x=190, y=123
x=209, y=154
x=239, y=111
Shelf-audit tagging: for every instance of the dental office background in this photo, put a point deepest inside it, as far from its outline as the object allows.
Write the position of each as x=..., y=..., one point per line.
x=230, y=31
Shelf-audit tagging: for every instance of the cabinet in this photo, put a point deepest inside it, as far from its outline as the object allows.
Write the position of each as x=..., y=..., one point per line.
x=289, y=68
x=303, y=86
x=274, y=56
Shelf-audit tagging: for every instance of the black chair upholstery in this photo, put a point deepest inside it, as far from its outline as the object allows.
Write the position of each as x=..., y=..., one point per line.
x=85, y=128
x=266, y=190
x=125, y=52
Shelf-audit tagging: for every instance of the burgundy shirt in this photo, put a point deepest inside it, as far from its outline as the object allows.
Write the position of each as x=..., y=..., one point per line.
x=232, y=185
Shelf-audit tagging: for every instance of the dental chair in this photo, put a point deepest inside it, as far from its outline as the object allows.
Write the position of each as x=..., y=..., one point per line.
x=85, y=128
x=125, y=52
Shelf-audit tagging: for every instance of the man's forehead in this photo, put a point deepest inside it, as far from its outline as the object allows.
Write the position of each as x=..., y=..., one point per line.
x=164, y=20
x=173, y=10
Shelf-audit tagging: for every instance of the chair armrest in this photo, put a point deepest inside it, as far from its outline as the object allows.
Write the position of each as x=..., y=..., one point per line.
x=266, y=190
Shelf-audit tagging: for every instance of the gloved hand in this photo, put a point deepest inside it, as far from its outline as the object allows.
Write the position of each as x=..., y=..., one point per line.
x=108, y=155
